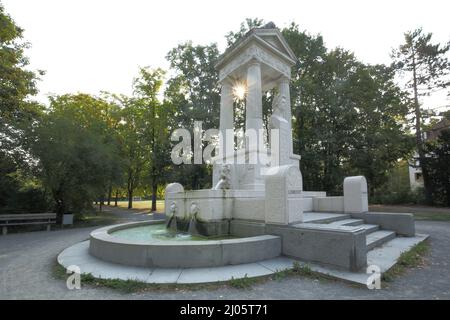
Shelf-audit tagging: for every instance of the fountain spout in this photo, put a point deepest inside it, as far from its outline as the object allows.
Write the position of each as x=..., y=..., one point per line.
x=192, y=227
x=172, y=221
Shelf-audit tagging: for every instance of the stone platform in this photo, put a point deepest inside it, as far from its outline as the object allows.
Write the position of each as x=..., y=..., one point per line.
x=384, y=256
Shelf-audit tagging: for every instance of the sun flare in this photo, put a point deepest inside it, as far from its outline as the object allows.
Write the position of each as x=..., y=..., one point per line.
x=239, y=91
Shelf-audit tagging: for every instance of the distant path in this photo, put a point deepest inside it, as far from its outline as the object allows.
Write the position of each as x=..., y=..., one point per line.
x=128, y=215
x=26, y=261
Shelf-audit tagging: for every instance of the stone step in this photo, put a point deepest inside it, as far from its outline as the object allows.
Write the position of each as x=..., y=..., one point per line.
x=377, y=238
x=370, y=227
x=348, y=222
x=323, y=217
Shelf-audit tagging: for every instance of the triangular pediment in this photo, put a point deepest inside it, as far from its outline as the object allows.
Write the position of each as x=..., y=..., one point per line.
x=269, y=37
x=274, y=38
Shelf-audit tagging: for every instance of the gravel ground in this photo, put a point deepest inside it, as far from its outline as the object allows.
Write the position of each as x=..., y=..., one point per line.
x=27, y=259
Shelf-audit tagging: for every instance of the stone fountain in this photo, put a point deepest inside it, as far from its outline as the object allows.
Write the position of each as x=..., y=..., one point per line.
x=257, y=218
x=266, y=196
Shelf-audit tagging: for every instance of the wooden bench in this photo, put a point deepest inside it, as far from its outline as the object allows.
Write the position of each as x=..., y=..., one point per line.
x=7, y=220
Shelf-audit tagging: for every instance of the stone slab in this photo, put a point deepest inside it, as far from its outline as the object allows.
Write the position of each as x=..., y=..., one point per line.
x=218, y=274
x=278, y=264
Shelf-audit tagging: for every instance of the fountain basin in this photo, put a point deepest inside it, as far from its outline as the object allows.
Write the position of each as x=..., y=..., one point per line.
x=192, y=253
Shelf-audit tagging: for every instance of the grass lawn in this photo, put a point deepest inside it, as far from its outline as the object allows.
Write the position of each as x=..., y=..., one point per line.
x=419, y=212
x=93, y=219
x=142, y=205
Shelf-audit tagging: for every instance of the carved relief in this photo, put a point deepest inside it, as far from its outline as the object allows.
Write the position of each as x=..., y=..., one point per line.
x=280, y=106
x=173, y=208
x=255, y=52
x=225, y=178
x=194, y=209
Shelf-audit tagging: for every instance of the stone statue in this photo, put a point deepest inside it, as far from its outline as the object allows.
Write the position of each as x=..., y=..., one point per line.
x=225, y=178
x=279, y=121
x=279, y=106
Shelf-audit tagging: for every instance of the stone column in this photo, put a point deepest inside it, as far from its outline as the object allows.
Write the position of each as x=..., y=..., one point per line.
x=253, y=117
x=226, y=122
x=226, y=114
x=284, y=92
x=253, y=128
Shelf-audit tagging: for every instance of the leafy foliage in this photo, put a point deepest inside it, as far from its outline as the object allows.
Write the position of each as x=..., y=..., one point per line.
x=426, y=69
x=18, y=115
x=193, y=94
x=437, y=165
x=348, y=116
x=77, y=156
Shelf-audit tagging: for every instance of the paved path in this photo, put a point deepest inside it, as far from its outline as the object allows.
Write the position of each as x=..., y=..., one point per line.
x=26, y=261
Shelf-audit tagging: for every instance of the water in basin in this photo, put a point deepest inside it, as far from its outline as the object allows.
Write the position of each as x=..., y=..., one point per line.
x=156, y=232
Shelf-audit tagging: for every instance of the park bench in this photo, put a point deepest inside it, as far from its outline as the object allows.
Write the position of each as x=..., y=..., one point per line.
x=7, y=220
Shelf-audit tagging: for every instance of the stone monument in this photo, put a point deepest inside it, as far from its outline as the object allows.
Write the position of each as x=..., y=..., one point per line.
x=259, y=62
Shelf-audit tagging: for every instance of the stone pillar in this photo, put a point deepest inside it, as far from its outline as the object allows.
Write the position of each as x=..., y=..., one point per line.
x=285, y=126
x=226, y=114
x=253, y=128
x=226, y=122
x=253, y=117
x=284, y=91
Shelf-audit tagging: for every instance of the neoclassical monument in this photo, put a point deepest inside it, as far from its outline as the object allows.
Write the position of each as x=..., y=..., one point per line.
x=254, y=183
x=258, y=191
x=257, y=218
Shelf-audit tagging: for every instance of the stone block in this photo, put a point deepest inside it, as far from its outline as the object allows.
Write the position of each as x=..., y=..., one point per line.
x=355, y=195
x=341, y=248
x=328, y=204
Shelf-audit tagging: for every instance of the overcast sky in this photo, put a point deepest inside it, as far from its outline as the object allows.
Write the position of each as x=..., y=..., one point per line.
x=94, y=45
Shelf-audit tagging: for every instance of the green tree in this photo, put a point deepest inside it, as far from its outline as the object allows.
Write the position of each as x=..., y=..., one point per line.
x=99, y=116
x=135, y=148
x=18, y=113
x=17, y=83
x=426, y=68
x=436, y=163
x=76, y=157
x=193, y=94
x=146, y=89
x=348, y=116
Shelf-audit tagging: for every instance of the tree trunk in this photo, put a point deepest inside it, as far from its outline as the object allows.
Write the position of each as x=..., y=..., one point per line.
x=154, y=191
x=60, y=210
x=60, y=205
x=130, y=199
x=130, y=188
x=109, y=195
x=116, y=198
x=419, y=141
x=101, y=203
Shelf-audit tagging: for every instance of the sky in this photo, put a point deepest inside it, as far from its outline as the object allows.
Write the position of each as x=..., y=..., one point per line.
x=94, y=45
